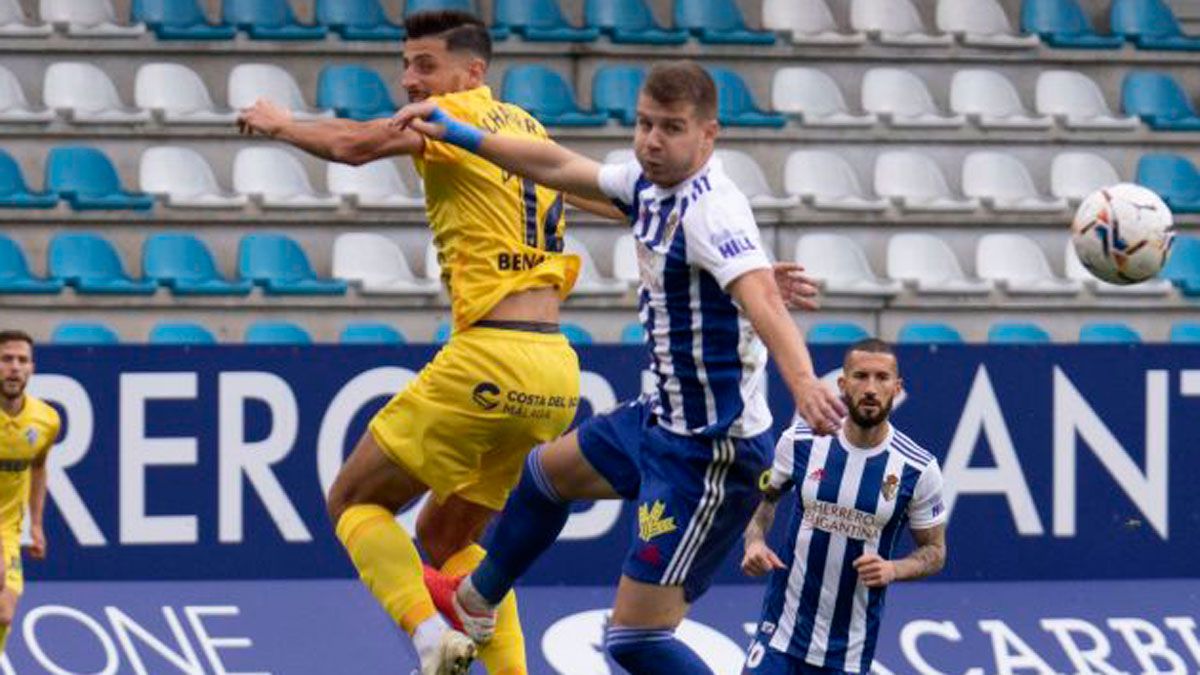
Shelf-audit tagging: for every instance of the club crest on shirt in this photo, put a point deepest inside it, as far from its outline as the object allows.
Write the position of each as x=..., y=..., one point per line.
x=31, y=435
x=651, y=521
x=890, y=485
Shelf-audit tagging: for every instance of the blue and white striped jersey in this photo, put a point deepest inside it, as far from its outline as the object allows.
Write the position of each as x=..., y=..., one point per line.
x=693, y=240
x=850, y=501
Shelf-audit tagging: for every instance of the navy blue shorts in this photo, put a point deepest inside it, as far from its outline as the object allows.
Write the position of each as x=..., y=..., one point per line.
x=763, y=660
x=611, y=442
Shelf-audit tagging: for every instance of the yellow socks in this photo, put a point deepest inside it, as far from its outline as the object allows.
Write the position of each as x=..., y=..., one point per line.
x=388, y=563
x=505, y=653
x=4, y=630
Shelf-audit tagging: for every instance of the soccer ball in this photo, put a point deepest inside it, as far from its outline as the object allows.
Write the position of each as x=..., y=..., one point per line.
x=1123, y=233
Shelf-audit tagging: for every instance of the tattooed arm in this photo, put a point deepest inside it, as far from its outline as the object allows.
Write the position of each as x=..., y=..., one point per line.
x=927, y=560
x=759, y=558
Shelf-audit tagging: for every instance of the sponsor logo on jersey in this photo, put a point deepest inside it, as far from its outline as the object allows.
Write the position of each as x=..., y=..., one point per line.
x=651, y=521
x=817, y=475
x=732, y=244
x=485, y=395
x=837, y=519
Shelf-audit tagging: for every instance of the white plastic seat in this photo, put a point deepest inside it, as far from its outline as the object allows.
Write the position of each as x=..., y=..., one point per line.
x=14, y=107
x=87, y=18
x=590, y=282
x=375, y=185
x=808, y=21
x=916, y=183
x=1016, y=263
x=841, y=267
x=1075, y=270
x=902, y=99
x=815, y=98
x=433, y=268
x=625, y=260
x=14, y=23
x=279, y=178
x=87, y=96
x=249, y=82
x=894, y=22
x=376, y=264
x=1075, y=175
x=184, y=180
x=178, y=95
x=1004, y=184
x=991, y=98
x=749, y=177
x=827, y=182
x=930, y=266
x=1078, y=102
x=980, y=23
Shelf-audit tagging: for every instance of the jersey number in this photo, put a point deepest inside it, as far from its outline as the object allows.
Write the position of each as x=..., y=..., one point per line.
x=549, y=222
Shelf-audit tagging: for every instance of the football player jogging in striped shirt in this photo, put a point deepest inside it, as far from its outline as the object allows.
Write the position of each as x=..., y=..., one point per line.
x=856, y=491
x=707, y=295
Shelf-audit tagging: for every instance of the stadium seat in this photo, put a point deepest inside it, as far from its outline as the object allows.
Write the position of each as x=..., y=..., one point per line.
x=269, y=20
x=615, y=91
x=177, y=95
x=814, y=97
x=915, y=182
x=358, y=20
x=14, y=107
x=355, y=92
x=14, y=193
x=718, y=22
x=14, y=272
x=894, y=22
x=413, y=6
x=83, y=333
x=989, y=98
x=376, y=264
x=1185, y=332
x=1017, y=333
x=735, y=103
x=182, y=263
x=87, y=18
x=14, y=23
x=927, y=262
x=928, y=333
x=576, y=334
x=750, y=179
x=590, y=281
x=1108, y=333
x=834, y=333
x=441, y=334
x=841, y=267
x=433, y=268
x=249, y=82
x=279, y=265
x=980, y=23
x=1062, y=24
x=625, y=261
x=85, y=94
x=1174, y=178
x=1016, y=264
x=1075, y=270
x=827, y=182
x=182, y=178
x=88, y=181
x=1183, y=265
x=371, y=334
x=1159, y=100
x=633, y=333
x=1075, y=175
x=902, y=100
x=540, y=21
x=180, y=20
x=547, y=96
x=181, y=334
x=90, y=264
x=374, y=185
x=1078, y=102
x=630, y=22
x=278, y=177
x=809, y=22
x=1003, y=184
x=1150, y=24
x=276, y=333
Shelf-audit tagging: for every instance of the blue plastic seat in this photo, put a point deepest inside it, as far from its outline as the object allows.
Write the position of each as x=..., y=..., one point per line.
x=184, y=264
x=1017, y=333
x=615, y=91
x=413, y=6
x=1159, y=100
x=269, y=20
x=630, y=22
x=1108, y=333
x=181, y=334
x=1150, y=24
x=358, y=20
x=279, y=265
x=91, y=265
x=928, y=333
x=1174, y=178
x=15, y=193
x=276, y=333
x=83, y=333
x=718, y=22
x=1062, y=23
x=541, y=21
x=441, y=334
x=835, y=333
x=88, y=181
x=1186, y=332
x=1183, y=265
x=14, y=272
x=735, y=103
x=371, y=334
x=576, y=334
x=179, y=20
x=633, y=333
x=548, y=97
x=355, y=92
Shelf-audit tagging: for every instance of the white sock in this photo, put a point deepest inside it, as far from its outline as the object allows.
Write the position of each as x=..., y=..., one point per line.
x=428, y=635
x=472, y=600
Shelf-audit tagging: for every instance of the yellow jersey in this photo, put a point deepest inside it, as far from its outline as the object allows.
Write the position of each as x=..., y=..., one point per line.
x=496, y=233
x=22, y=439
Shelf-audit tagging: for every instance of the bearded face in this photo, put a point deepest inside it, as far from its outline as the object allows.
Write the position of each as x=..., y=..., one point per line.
x=869, y=383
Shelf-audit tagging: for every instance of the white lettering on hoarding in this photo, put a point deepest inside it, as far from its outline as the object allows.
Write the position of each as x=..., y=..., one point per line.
x=1090, y=661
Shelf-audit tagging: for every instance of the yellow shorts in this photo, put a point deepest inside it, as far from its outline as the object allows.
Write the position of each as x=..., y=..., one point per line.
x=465, y=424
x=14, y=575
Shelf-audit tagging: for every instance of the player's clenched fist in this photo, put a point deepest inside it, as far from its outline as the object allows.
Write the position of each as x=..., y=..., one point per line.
x=874, y=571
x=264, y=117
x=760, y=559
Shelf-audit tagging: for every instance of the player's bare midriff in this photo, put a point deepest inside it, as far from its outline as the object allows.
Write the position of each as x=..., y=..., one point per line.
x=538, y=305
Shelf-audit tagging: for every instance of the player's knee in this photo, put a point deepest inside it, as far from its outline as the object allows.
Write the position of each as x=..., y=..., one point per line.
x=440, y=543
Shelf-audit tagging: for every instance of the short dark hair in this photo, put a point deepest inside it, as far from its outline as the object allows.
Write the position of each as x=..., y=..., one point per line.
x=870, y=345
x=462, y=31
x=675, y=81
x=15, y=336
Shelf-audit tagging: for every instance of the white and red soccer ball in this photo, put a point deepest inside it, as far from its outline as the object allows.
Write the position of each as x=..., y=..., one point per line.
x=1123, y=233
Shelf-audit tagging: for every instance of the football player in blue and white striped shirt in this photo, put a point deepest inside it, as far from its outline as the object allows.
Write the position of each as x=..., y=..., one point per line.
x=856, y=491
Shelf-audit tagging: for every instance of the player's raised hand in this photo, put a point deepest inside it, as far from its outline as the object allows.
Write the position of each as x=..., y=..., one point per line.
x=799, y=290
x=821, y=408
x=416, y=116
x=760, y=559
x=874, y=571
x=264, y=117
x=37, y=548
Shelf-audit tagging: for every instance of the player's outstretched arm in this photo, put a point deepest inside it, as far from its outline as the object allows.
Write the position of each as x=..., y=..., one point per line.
x=335, y=140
